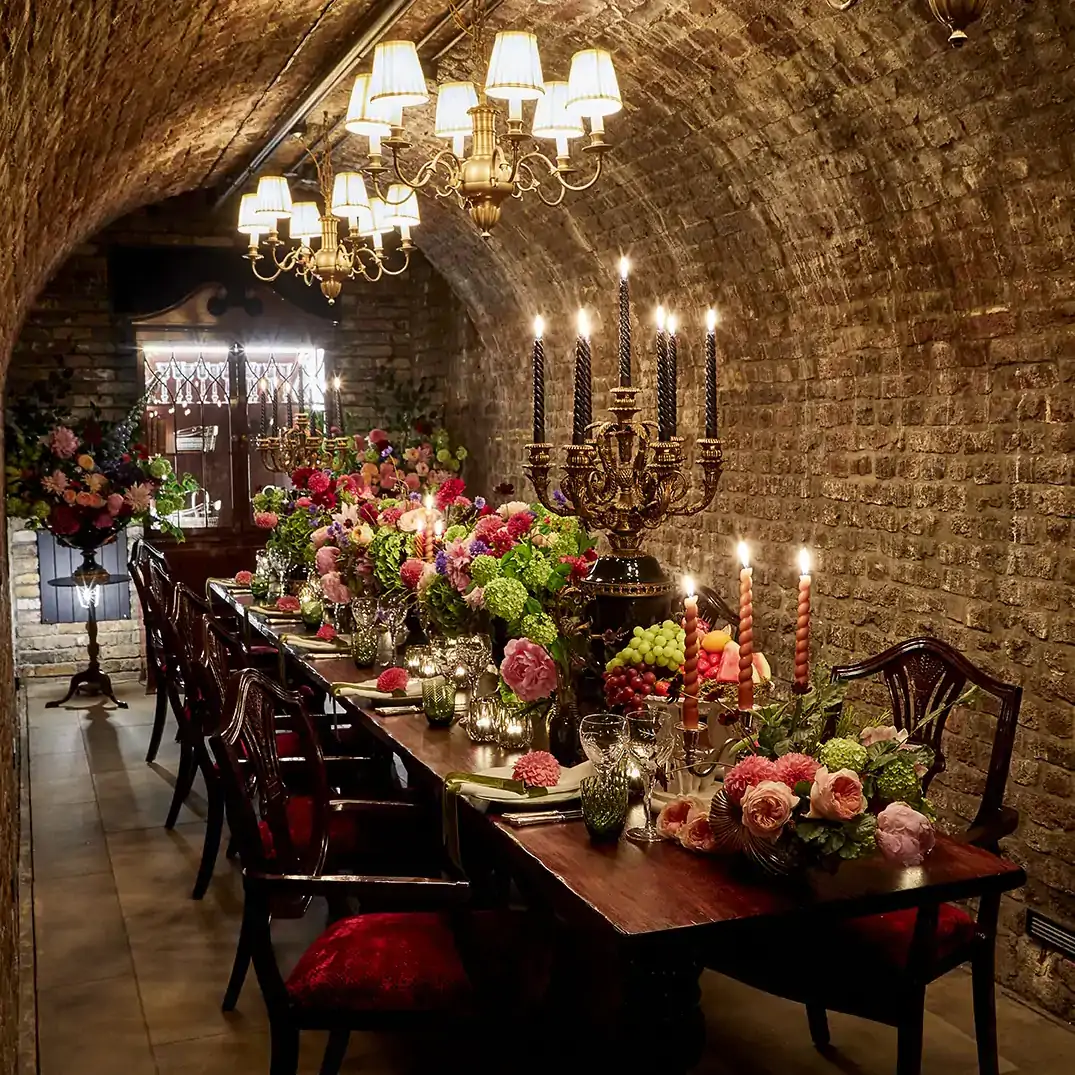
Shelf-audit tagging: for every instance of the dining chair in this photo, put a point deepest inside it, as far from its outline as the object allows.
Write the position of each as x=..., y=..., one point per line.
x=716, y=611
x=302, y=826
x=892, y=957
x=154, y=596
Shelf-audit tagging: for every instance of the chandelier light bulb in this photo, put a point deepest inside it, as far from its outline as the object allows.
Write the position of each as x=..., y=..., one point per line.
x=710, y=320
x=515, y=68
x=397, y=75
x=804, y=561
x=660, y=319
x=744, y=554
x=274, y=199
x=593, y=89
x=250, y=223
x=584, y=325
x=349, y=195
x=625, y=268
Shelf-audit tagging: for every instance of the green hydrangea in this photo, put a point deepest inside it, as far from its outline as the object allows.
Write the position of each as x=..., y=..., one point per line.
x=443, y=455
x=505, y=598
x=483, y=569
x=159, y=467
x=536, y=573
x=898, y=781
x=843, y=754
x=461, y=452
x=454, y=533
x=539, y=628
x=40, y=509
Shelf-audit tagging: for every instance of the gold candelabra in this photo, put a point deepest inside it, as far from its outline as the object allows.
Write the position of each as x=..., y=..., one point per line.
x=623, y=480
x=299, y=446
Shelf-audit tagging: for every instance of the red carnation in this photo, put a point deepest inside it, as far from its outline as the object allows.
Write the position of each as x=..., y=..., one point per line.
x=300, y=476
x=519, y=524
x=411, y=572
x=579, y=567
x=368, y=512
x=502, y=542
x=448, y=491
x=318, y=482
x=390, y=516
x=392, y=680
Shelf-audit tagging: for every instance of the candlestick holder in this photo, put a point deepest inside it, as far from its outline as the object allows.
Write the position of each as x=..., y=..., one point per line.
x=622, y=482
x=299, y=446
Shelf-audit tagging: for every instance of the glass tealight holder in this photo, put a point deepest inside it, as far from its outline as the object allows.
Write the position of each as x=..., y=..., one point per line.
x=603, y=798
x=413, y=660
x=513, y=728
x=438, y=701
x=481, y=720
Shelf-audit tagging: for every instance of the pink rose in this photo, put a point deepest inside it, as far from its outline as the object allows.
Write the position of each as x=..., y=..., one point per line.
x=335, y=589
x=767, y=807
x=528, y=669
x=388, y=476
x=377, y=436
x=413, y=482
x=673, y=817
x=421, y=469
x=325, y=559
x=904, y=835
x=266, y=519
x=881, y=733
x=114, y=503
x=319, y=536
x=697, y=835
x=836, y=796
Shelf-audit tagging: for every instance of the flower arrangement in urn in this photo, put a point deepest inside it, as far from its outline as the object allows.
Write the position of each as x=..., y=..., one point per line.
x=84, y=481
x=797, y=796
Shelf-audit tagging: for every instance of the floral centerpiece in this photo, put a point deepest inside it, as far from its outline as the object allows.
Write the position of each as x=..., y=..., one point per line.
x=84, y=481
x=799, y=794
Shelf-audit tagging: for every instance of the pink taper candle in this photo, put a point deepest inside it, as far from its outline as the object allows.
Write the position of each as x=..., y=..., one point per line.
x=802, y=625
x=746, y=630
x=690, y=656
x=423, y=547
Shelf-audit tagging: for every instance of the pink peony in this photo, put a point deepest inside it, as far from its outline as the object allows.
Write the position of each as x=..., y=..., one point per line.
x=413, y=482
x=334, y=589
x=794, y=768
x=697, y=834
x=378, y=436
x=63, y=442
x=836, y=796
x=673, y=816
x=881, y=733
x=325, y=559
x=528, y=669
x=287, y=603
x=487, y=526
x=753, y=769
x=767, y=808
x=55, y=483
x=319, y=537
x=266, y=519
x=537, y=769
x=904, y=835
x=114, y=503
x=475, y=598
x=393, y=680
x=244, y=578
x=411, y=572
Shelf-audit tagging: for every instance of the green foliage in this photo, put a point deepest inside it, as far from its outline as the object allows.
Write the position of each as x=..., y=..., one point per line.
x=445, y=606
x=387, y=552
x=292, y=536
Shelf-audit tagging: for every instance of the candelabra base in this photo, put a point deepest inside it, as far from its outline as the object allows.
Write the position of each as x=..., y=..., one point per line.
x=627, y=591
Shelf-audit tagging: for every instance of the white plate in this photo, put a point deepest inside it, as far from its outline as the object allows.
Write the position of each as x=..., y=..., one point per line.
x=565, y=791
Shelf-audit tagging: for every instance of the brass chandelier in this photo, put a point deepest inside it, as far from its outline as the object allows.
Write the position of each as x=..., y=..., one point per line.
x=497, y=165
x=955, y=15
x=358, y=252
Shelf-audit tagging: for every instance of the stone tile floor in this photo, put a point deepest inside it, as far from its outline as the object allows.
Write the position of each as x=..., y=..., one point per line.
x=130, y=970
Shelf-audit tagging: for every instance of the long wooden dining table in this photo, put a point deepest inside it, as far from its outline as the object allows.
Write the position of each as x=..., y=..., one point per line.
x=654, y=909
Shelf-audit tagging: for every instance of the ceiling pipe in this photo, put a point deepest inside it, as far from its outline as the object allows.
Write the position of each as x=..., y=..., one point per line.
x=385, y=17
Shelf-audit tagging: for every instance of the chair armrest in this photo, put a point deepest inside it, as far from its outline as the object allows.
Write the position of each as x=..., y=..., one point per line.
x=374, y=808
x=987, y=834
x=402, y=893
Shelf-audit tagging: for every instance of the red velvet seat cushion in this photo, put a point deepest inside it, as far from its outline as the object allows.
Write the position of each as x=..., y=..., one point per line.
x=382, y=962
x=342, y=831
x=288, y=745
x=886, y=938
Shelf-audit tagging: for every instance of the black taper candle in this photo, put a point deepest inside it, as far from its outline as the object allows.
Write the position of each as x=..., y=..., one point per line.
x=583, y=412
x=662, y=377
x=275, y=406
x=711, y=376
x=673, y=380
x=539, y=382
x=290, y=410
x=625, y=327
x=264, y=424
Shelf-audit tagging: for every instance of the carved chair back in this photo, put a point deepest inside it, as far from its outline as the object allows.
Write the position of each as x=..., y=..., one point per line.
x=716, y=611
x=262, y=804
x=138, y=569
x=926, y=675
x=221, y=657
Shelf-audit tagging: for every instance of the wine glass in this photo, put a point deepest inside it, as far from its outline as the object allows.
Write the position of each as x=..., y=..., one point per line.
x=604, y=738
x=391, y=614
x=650, y=750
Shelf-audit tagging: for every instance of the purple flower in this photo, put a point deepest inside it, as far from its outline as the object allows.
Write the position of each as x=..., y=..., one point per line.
x=387, y=452
x=559, y=499
x=480, y=548
x=479, y=502
x=441, y=563
x=415, y=497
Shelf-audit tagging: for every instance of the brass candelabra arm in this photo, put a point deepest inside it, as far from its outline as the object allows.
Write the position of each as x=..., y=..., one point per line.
x=445, y=160
x=710, y=459
x=366, y=263
x=405, y=250
x=559, y=171
x=537, y=467
x=280, y=265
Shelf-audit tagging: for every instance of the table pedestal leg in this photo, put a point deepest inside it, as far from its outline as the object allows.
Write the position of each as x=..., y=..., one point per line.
x=93, y=678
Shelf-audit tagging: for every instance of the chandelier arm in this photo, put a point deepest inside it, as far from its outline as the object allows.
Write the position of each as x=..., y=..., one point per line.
x=444, y=159
x=266, y=279
x=537, y=155
x=402, y=269
x=359, y=257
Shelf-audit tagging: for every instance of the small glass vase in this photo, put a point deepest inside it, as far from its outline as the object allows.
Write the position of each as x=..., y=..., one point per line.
x=563, y=722
x=364, y=646
x=512, y=728
x=604, y=803
x=481, y=719
x=438, y=701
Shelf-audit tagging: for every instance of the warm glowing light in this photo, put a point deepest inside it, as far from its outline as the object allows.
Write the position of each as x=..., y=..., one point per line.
x=660, y=318
x=584, y=325
x=336, y=382
x=438, y=528
x=688, y=585
x=672, y=323
x=625, y=268
x=804, y=562
x=744, y=554
x=515, y=68
x=428, y=502
x=420, y=525
x=397, y=75
x=710, y=320
x=539, y=327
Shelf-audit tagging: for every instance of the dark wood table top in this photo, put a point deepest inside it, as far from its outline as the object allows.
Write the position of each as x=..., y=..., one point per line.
x=661, y=889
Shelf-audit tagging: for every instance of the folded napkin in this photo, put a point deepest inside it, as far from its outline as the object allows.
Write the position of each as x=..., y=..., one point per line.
x=368, y=689
x=275, y=613
x=315, y=645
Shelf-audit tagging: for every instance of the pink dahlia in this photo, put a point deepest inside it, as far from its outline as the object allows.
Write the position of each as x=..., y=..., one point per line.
x=326, y=632
x=519, y=524
x=244, y=578
x=265, y=519
x=392, y=680
x=411, y=572
x=791, y=769
x=753, y=769
x=287, y=603
x=487, y=526
x=63, y=442
x=537, y=769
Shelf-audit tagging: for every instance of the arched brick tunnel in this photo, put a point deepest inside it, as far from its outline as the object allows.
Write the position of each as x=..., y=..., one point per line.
x=883, y=222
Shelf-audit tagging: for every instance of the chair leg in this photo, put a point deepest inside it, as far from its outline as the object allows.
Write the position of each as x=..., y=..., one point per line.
x=160, y=715
x=241, y=964
x=285, y=1050
x=184, y=781
x=232, y=849
x=335, y=1052
x=909, y=1041
x=985, y=1013
x=214, y=826
x=818, y=1020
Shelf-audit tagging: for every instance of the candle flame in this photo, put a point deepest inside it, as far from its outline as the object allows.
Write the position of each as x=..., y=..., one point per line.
x=625, y=268
x=672, y=324
x=584, y=325
x=420, y=525
x=804, y=561
x=539, y=327
x=336, y=382
x=660, y=319
x=438, y=528
x=711, y=320
x=744, y=554
x=688, y=585
x=428, y=502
